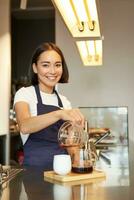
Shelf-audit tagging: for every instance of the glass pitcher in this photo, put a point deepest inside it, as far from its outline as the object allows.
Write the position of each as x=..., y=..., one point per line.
x=70, y=135
x=76, y=140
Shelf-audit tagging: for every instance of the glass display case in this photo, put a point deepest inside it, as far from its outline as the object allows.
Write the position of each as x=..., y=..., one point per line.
x=113, y=119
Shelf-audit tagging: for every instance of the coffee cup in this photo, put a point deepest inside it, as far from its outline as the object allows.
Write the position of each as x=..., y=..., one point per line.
x=62, y=164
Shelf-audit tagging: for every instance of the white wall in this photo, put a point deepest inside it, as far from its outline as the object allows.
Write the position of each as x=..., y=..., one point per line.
x=112, y=84
x=5, y=71
x=5, y=66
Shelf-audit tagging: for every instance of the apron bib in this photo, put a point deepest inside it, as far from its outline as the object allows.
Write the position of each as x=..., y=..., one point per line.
x=41, y=146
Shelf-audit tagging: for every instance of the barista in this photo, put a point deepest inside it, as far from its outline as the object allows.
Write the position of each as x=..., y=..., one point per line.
x=41, y=110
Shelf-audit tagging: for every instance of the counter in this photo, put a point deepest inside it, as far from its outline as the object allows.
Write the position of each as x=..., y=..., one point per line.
x=30, y=184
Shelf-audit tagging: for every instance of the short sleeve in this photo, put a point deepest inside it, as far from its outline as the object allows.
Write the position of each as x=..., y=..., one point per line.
x=25, y=94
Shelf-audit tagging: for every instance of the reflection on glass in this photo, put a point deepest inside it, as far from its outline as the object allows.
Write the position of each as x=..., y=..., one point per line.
x=62, y=192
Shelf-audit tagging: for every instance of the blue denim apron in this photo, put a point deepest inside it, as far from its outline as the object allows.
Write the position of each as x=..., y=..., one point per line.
x=41, y=146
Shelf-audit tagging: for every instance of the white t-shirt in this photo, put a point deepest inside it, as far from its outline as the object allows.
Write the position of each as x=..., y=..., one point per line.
x=28, y=95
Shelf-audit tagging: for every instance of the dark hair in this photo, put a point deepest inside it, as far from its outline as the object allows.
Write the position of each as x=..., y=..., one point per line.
x=42, y=48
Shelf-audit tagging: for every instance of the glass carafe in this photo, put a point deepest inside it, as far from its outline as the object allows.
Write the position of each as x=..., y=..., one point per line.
x=82, y=161
x=76, y=140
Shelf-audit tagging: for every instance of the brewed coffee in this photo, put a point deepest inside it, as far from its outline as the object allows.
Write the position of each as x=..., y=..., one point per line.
x=82, y=170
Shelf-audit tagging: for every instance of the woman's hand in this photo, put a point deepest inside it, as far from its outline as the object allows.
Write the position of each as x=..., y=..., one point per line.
x=73, y=115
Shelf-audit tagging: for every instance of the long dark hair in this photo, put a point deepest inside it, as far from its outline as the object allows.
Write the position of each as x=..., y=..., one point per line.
x=33, y=78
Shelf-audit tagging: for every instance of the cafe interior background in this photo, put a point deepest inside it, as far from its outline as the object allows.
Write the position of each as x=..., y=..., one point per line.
x=103, y=92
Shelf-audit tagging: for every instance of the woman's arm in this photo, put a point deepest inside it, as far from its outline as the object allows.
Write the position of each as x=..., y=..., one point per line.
x=28, y=124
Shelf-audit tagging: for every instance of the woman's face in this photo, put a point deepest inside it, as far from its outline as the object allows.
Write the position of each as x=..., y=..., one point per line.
x=49, y=70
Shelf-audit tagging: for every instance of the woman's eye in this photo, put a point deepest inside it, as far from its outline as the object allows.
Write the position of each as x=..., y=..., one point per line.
x=45, y=65
x=58, y=65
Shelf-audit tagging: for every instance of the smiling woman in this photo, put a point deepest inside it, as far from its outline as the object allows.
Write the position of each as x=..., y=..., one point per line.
x=49, y=69
x=38, y=107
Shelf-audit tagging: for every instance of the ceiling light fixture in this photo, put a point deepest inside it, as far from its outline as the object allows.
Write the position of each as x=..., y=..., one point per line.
x=90, y=52
x=80, y=16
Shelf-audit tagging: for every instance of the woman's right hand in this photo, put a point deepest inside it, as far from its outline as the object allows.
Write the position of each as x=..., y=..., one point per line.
x=73, y=115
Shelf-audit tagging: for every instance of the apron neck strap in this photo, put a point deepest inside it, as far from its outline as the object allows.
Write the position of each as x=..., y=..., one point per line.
x=37, y=90
x=59, y=100
x=39, y=96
